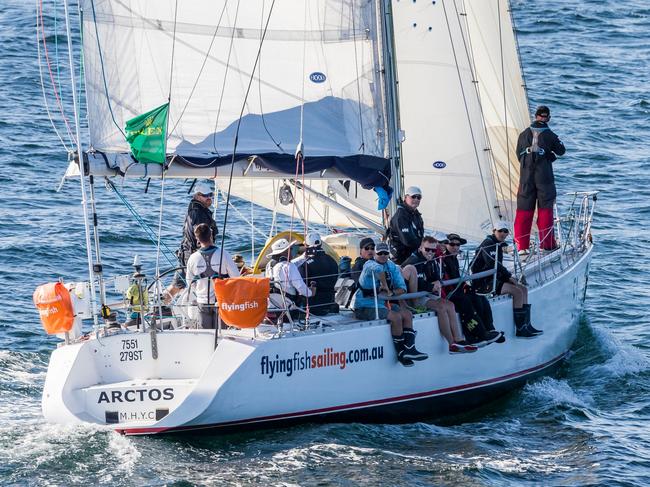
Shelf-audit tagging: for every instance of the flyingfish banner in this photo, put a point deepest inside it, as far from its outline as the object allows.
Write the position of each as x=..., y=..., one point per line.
x=147, y=135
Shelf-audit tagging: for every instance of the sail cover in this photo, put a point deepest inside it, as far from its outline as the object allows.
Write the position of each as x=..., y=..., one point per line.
x=317, y=79
x=450, y=90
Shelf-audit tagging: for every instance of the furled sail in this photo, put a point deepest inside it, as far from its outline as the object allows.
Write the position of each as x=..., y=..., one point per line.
x=316, y=84
x=450, y=90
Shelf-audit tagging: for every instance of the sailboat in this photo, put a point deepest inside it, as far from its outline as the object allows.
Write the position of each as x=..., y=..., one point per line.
x=322, y=111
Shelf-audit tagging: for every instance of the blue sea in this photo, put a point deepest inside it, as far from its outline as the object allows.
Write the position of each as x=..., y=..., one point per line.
x=587, y=425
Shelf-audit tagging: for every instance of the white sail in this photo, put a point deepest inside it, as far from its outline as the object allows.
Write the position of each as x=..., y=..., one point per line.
x=501, y=89
x=317, y=76
x=447, y=151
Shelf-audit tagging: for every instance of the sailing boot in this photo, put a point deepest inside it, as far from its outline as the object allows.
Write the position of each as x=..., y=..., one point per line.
x=410, y=352
x=398, y=341
x=523, y=331
x=530, y=326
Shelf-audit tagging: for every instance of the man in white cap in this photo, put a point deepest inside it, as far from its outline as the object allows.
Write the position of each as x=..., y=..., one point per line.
x=198, y=211
x=484, y=259
x=285, y=275
x=317, y=266
x=406, y=227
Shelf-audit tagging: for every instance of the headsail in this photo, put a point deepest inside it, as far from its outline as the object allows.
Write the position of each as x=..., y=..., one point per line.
x=445, y=50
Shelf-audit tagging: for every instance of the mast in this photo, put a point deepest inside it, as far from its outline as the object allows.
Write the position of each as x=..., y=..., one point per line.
x=91, y=267
x=392, y=102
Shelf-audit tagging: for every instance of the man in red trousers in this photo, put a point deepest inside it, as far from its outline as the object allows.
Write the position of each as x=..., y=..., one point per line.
x=537, y=147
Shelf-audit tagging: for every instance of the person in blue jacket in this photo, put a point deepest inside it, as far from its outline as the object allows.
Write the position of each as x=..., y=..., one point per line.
x=382, y=276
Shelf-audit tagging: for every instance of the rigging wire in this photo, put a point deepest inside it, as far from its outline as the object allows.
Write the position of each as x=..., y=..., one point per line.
x=472, y=66
x=462, y=90
x=505, y=100
x=101, y=63
x=40, y=72
x=236, y=140
x=51, y=75
x=205, y=60
x=223, y=84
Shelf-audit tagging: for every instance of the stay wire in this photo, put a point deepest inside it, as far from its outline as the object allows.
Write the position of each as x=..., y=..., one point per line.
x=101, y=63
x=40, y=72
x=234, y=151
x=205, y=60
x=223, y=84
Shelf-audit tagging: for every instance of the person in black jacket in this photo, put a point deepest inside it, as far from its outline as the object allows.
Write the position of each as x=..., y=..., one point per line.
x=421, y=273
x=318, y=267
x=198, y=211
x=484, y=259
x=474, y=310
x=366, y=253
x=537, y=147
x=406, y=227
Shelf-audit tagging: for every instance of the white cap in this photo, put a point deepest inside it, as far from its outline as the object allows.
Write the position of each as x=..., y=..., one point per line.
x=203, y=187
x=313, y=239
x=280, y=246
x=411, y=190
x=500, y=224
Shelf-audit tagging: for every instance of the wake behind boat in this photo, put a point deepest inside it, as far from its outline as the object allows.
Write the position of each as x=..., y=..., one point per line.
x=296, y=107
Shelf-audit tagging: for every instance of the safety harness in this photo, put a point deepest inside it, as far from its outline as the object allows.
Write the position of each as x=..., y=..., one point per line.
x=534, y=148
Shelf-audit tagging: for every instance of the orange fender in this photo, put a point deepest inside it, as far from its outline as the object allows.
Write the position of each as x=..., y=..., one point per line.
x=55, y=307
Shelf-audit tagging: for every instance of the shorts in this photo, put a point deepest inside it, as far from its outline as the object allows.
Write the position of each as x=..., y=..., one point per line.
x=368, y=314
x=179, y=280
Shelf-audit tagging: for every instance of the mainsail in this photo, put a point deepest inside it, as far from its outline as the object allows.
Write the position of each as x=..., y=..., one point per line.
x=316, y=83
x=454, y=60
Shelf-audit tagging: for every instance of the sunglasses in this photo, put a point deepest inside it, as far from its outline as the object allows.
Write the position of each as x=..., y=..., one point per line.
x=382, y=253
x=427, y=249
x=454, y=244
x=504, y=230
x=416, y=196
x=369, y=247
x=208, y=195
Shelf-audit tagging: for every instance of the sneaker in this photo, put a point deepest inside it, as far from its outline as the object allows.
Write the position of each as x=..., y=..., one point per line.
x=525, y=332
x=462, y=347
x=524, y=253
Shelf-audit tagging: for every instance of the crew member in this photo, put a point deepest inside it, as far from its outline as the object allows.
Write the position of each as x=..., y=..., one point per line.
x=537, y=147
x=421, y=272
x=198, y=212
x=203, y=266
x=484, y=259
x=406, y=227
x=285, y=275
x=366, y=253
x=317, y=266
x=475, y=317
x=381, y=276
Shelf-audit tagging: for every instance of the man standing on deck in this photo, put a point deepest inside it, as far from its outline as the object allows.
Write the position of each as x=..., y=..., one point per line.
x=198, y=212
x=537, y=147
x=406, y=227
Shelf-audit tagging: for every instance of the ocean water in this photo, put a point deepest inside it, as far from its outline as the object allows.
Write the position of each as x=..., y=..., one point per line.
x=588, y=425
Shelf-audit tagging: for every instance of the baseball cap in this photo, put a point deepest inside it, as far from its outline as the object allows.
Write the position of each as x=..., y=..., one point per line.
x=413, y=190
x=203, y=187
x=542, y=111
x=381, y=247
x=313, y=239
x=365, y=242
x=501, y=225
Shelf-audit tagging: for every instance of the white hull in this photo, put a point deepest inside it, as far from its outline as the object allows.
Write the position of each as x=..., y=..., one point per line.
x=246, y=380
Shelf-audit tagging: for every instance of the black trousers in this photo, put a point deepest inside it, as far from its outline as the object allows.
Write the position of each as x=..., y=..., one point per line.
x=472, y=311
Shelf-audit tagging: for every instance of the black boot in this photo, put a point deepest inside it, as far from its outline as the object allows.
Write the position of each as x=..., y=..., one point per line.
x=410, y=352
x=398, y=341
x=520, y=323
x=530, y=326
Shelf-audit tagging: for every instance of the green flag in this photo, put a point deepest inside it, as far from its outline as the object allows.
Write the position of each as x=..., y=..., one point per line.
x=147, y=135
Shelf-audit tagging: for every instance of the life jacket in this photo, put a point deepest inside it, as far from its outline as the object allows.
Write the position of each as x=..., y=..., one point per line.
x=534, y=147
x=209, y=272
